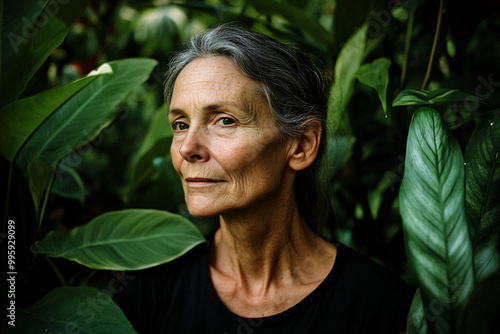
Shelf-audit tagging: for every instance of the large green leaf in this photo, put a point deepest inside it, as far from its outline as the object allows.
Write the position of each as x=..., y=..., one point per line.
x=124, y=240
x=348, y=62
x=22, y=118
x=482, y=191
x=82, y=117
x=71, y=310
x=433, y=212
x=30, y=30
x=376, y=75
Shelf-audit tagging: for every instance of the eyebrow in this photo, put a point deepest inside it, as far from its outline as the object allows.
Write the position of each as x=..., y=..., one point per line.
x=210, y=107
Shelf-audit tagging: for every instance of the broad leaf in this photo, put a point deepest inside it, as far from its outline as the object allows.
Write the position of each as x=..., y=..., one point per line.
x=30, y=31
x=82, y=117
x=22, y=118
x=417, y=324
x=376, y=75
x=348, y=62
x=124, y=240
x=155, y=144
x=71, y=310
x=433, y=212
x=413, y=97
x=482, y=191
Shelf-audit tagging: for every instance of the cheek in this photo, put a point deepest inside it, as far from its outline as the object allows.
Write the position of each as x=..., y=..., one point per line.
x=176, y=157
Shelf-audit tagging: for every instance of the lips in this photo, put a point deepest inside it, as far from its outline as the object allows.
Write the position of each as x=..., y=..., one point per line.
x=200, y=181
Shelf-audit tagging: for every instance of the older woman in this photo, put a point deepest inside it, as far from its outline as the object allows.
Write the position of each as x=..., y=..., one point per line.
x=249, y=118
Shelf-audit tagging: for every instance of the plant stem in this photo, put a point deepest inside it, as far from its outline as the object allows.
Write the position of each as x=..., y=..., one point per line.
x=409, y=31
x=434, y=44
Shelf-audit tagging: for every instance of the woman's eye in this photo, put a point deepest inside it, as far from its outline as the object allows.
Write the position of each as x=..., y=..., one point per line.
x=226, y=121
x=180, y=126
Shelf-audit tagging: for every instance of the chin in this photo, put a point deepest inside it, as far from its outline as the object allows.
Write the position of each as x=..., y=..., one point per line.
x=202, y=208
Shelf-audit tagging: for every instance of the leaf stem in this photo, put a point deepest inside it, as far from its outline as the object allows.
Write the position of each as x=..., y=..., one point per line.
x=434, y=44
x=56, y=271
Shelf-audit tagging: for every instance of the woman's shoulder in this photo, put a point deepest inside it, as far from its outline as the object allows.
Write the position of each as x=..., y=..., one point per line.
x=366, y=293
x=367, y=275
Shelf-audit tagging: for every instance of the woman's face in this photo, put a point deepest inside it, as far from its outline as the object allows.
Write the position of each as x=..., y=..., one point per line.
x=226, y=146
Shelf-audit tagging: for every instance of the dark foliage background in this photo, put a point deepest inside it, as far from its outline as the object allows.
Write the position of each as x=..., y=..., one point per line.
x=369, y=160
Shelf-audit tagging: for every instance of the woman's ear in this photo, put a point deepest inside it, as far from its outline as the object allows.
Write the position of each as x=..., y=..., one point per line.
x=307, y=146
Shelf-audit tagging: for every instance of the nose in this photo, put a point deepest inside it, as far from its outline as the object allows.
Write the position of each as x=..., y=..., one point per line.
x=194, y=146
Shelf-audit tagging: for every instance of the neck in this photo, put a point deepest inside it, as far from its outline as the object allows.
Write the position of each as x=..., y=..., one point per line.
x=267, y=247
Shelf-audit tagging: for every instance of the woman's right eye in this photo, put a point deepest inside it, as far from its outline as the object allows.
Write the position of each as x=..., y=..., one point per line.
x=180, y=126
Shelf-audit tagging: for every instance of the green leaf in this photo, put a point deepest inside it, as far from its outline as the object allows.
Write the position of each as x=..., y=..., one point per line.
x=38, y=174
x=30, y=31
x=482, y=193
x=413, y=97
x=68, y=184
x=433, y=212
x=22, y=118
x=376, y=75
x=71, y=310
x=348, y=62
x=83, y=116
x=297, y=18
x=417, y=324
x=156, y=144
x=124, y=240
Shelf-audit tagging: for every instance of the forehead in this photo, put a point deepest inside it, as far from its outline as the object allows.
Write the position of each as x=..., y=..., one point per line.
x=217, y=77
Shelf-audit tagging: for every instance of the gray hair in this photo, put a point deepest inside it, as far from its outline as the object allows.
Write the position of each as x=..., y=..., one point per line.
x=293, y=85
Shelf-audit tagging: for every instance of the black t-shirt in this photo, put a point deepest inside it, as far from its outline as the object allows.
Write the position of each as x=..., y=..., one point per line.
x=358, y=296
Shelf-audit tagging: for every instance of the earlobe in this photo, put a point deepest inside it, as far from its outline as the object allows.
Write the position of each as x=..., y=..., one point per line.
x=306, y=147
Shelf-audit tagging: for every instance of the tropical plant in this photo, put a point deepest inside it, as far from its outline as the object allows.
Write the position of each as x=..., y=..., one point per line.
x=91, y=178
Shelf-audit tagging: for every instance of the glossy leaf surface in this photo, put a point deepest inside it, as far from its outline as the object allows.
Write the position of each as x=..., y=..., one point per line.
x=22, y=118
x=433, y=212
x=82, y=117
x=124, y=240
x=483, y=194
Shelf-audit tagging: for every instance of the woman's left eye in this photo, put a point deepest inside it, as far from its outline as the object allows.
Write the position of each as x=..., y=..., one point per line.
x=226, y=121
